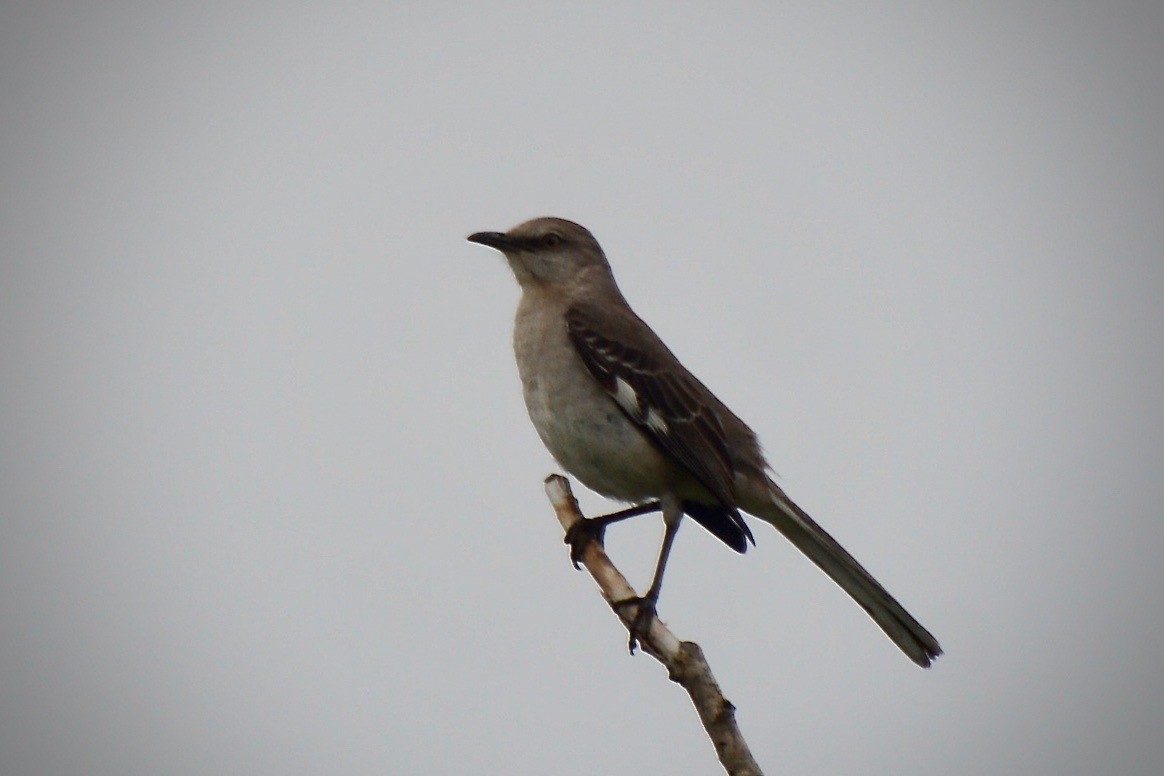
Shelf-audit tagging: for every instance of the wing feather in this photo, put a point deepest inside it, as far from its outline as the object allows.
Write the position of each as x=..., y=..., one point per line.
x=661, y=398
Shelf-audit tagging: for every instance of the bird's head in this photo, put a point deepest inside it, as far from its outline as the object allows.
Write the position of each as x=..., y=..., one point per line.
x=548, y=252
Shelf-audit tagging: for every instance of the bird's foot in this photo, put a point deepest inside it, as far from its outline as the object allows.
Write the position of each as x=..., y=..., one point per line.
x=581, y=534
x=644, y=615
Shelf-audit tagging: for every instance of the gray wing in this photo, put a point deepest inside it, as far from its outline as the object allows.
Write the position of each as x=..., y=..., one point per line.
x=661, y=398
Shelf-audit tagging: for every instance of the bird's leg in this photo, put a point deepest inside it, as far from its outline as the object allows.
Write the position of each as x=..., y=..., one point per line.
x=645, y=613
x=590, y=529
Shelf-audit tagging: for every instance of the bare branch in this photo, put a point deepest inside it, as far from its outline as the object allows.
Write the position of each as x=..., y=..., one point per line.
x=684, y=660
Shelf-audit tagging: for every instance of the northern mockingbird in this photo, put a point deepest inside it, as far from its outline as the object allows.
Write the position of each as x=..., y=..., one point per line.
x=616, y=408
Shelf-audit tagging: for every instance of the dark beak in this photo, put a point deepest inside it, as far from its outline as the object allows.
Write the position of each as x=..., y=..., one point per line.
x=498, y=240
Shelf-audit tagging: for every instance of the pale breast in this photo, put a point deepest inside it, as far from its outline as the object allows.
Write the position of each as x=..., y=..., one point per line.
x=578, y=422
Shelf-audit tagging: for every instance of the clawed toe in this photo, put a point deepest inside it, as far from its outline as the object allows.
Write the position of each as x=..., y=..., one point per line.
x=580, y=535
x=640, y=624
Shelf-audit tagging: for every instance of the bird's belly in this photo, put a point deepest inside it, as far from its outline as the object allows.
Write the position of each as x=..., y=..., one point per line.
x=589, y=436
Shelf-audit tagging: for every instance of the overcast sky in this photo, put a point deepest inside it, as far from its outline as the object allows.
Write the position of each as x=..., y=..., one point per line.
x=269, y=499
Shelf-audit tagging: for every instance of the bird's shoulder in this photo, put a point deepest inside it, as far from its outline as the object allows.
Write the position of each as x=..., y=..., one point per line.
x=618, y=345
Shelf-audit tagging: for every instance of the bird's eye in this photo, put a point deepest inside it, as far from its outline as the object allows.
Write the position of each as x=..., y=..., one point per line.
x=551, y=239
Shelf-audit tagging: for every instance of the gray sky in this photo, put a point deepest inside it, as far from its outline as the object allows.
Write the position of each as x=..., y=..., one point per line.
x=269, y=501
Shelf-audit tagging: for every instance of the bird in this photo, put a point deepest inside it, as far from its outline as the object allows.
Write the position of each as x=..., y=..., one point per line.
x=616, y=409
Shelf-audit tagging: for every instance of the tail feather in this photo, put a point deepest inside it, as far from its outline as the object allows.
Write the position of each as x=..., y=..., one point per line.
x=823, y=550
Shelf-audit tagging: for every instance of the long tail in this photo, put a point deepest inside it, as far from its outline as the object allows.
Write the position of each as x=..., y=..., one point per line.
x=823, y=550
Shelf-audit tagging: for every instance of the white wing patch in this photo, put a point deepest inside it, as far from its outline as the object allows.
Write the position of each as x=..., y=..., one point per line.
x=627, y=398
x=655, y=421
